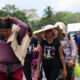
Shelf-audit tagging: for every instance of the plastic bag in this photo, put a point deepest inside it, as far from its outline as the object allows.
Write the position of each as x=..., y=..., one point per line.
x=76, y=69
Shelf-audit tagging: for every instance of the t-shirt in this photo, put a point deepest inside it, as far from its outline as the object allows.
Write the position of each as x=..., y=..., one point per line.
x=32, y=45
x=51, y=51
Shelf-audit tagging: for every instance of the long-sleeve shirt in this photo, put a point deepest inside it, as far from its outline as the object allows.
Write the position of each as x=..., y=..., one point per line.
x=69, y=48
x=6, y=52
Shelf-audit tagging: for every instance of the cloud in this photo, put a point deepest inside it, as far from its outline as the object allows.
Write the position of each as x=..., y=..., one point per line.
x=66, y=5
x=40, y=5
x=2, y=5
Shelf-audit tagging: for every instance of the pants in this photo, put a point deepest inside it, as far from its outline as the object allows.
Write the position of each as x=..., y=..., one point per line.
x=27, y=71
x=50, y=71
x=17, y=75
x=70, y=74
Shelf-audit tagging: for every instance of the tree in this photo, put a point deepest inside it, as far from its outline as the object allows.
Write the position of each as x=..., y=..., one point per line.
x=48, y=12
x=60, y=15
x=9, y=8
x=13, y=11
x=67, y=17
x=20, y=15
x=46, y=21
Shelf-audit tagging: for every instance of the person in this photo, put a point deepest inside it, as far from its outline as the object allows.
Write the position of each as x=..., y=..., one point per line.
x=69, y=50
x=77, y=42
x=50, y=54
x=10, y=64
x=31, y=51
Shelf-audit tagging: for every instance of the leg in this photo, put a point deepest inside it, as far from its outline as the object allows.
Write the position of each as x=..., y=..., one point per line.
x=27, y=70
x=54, y=74
x=60, y=76
x=41, y=74
x=69, y=73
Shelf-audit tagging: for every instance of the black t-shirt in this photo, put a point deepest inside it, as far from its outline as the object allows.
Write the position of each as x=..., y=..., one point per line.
x=51, y=51
x=32, y=45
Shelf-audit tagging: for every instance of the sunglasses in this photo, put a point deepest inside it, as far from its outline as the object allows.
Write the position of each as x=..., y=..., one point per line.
x=48, y=31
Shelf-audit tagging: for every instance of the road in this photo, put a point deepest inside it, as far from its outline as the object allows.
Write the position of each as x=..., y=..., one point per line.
x=42, y=79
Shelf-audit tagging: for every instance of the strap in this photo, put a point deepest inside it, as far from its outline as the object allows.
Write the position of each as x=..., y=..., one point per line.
x=9, y=63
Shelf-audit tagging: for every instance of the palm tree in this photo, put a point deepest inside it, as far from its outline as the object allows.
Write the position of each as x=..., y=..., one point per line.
x=48, y=12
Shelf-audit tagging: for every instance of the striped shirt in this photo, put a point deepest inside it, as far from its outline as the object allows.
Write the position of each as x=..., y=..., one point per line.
x=69, y=48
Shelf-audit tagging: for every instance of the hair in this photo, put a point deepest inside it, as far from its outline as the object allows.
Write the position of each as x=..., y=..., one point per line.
x=30, y=30
x=6, y=22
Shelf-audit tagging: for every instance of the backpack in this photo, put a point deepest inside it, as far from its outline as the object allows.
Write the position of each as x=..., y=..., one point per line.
x=34, y=59
x=78, y=43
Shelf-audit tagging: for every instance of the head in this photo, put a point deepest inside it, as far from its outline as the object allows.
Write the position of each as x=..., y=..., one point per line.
x=29, y=32
x=49, y=33
x=55, y=33
x=6, y=27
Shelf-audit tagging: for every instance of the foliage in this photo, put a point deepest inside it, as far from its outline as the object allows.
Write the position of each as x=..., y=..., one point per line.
x=13, y=11
x=9, y=8
x=48, y=12
x=49, y=17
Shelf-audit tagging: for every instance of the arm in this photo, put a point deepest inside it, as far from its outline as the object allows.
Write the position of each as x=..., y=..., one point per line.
x=73, y=52
x=63, y=61
x=37, y=72
x=73, y=48
x=62, y=57
x=39, y=57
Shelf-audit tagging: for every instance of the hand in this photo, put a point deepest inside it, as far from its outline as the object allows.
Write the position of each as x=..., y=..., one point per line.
x=35, y=49
x=64, y=73
x=37, y=73
x=71, y=63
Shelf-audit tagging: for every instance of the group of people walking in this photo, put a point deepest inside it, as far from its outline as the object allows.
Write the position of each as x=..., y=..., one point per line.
x=49, y=49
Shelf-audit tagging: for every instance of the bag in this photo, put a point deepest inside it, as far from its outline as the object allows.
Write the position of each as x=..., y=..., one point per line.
x=34, y=64
x=78, y=43
x=76, y=69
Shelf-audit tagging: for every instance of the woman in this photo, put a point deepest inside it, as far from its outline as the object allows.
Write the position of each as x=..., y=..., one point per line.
x=10, y=65
x=69, y=50
x=50, y=51
x=31, y=51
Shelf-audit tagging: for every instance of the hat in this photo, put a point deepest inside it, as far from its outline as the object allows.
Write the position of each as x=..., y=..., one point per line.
x=47, y=27
x=44, y=28
x=62, y=26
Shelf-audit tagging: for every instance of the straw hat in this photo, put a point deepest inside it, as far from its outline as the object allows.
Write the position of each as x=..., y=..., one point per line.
x=62, y=26
x=47, y=27
x=44, y=28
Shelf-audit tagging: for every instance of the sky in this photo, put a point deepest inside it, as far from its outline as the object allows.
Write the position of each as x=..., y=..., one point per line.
x=40, y=5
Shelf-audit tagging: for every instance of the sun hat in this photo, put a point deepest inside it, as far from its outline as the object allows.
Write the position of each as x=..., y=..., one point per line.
x=45, y=28
x=37, y=33
x=62, y=26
